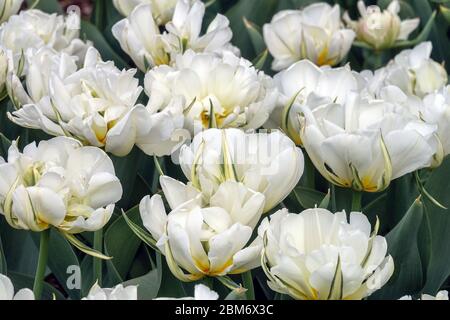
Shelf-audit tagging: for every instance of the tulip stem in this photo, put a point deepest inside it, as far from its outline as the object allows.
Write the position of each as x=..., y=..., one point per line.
x=247, y=280
x=356, y=200
x=98, y=245
x=42, y=264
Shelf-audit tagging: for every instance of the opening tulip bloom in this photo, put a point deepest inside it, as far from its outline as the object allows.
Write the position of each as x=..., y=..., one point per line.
x=381, y=29
x=364, y=143
x=413, y=71
x=318, y=255
x=268, y=163
x=119, y=292
x=315, y=33
x=58, y=183
x=95, y=104
x=7, y=291
x=214, y=91
x=183, y=32
x=162, y=9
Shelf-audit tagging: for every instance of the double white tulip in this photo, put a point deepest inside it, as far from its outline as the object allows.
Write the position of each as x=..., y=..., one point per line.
x=58, y=183
x=214, y=91
x=9, y=8
x=413, y=71
x=162, y=9
x=152, y=48
x=268, y=163
x=318, y=255
x=95, y=104
x=315, y=33
x=7, y=291
x=364, y=143
x=303, y=83
x=381, y=29
x=119, y=292
x=441, y=295
x=34, y=29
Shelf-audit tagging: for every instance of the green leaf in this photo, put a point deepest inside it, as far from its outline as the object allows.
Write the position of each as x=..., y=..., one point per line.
x=22, y=281
x=122, y=244
x=445, y=12
x=3, y=266
x=83, y=247
x=148, y=285
x=308, y=198
x=5, y=143
x=255, y=35
x=141, y=233
x=260, y=60
x=423, y=36
x=49, y=6
x=61, y=256
x=90, y=32
x=170, y=287
x=403, y=247
x=438, y=226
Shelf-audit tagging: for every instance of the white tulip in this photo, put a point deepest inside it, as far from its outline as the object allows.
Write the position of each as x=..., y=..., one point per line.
x=58, y=183
x=303, y=83
x=268, y=163
x=381, y=29
x=9, y=8
x=119, y=292
x=205, y=240
x=318, y=255
x=215, y=91
x=201, y=292
x=95, y=104
x=363, y=143
x=441, y=295
x=162, y=9
x=7, y=291
x=34, y=29
x=413, y=71
x=154, y=48
x=315, y=33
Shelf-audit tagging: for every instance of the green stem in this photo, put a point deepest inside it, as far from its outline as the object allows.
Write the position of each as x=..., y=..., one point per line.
x=247, y=280
x=42, y=264
x=99, y=13
x=98, y=245
x=356, y=200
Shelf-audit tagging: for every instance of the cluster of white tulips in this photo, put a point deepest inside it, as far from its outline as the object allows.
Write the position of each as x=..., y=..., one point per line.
x=239, y=135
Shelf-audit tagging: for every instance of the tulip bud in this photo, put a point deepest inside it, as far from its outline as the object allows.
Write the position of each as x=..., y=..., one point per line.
x=381, y=29
x=119, y=292
x=318, y=255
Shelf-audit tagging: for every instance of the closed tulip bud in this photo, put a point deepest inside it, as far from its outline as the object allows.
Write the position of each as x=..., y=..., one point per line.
x=7, y=291
x=315, y=33
x=364, y=143
x=268, y=163
x=119, y=292
x=58, y=183
x=381, y=29
x=318, y=255
x=214, y=91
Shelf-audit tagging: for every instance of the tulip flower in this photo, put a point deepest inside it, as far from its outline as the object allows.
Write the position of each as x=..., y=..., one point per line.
x=318, y=255
x=436, y=110
x=162, y=9
x=9, y=8
x=215, y=92
x=154, y=48
x=7, y=291
x=201, y=240
x=58, y=183
x=441, y=295
x=315, y=33
x=381, y=29
x=413, y=71
x=95, y=104
x=201, y=292
x=364, y=143
x=303, y=83
x=119, y=292
x=34, y=29
x=268, y=163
